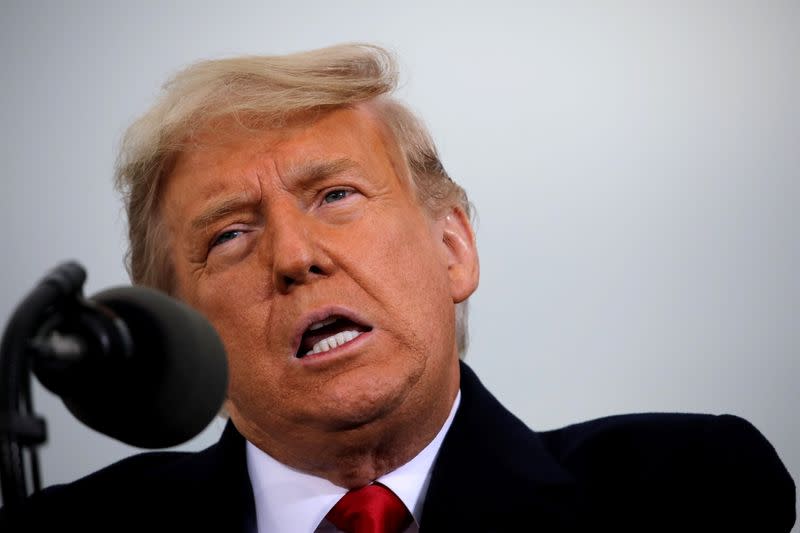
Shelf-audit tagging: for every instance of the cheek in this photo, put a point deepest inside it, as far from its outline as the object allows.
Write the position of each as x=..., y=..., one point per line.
x=402, y=245
x=232, y=304
x=418, y=267
x=402, y=267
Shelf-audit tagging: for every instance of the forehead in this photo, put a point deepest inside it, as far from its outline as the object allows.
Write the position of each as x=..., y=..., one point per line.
x=227, y=152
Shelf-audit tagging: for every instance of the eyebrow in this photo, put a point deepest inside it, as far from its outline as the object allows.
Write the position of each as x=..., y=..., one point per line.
x=222, y=209
x=311, y=171
x=306, y=172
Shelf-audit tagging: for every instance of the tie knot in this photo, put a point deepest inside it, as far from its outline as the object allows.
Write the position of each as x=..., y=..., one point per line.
x=370, y=509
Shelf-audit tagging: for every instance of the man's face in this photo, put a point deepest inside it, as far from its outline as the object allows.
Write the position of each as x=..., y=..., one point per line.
x=331, y=287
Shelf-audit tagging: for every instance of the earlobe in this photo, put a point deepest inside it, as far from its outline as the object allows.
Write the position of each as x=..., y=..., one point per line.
x=462, y=254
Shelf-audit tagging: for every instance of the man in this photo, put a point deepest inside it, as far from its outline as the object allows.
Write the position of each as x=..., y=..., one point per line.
x=307, y=215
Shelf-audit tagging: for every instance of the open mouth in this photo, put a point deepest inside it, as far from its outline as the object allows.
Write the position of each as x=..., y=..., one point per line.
x=327, y=334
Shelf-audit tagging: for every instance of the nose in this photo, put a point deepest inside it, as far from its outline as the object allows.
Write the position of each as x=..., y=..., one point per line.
x=296, y=255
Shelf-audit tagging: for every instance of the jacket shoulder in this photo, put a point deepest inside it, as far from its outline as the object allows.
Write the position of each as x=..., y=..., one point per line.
x=128, y=474
x=717, y=469
x=150, y=482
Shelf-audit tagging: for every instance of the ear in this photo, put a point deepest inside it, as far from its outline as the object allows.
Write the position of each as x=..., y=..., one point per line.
x=462, y=254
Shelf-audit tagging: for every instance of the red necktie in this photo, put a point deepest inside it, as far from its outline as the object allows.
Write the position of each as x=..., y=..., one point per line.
x=370, y=509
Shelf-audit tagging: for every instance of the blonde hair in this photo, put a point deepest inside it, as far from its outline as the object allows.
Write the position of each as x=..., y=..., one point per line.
x=265, y=92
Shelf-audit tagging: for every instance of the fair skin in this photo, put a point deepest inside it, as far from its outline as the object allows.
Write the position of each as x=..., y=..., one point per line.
x=276, y=233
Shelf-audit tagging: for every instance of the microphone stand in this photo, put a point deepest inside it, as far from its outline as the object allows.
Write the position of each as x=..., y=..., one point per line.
x=22, y=343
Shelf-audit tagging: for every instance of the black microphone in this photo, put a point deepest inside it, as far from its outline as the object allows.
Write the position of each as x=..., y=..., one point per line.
x=134, y=364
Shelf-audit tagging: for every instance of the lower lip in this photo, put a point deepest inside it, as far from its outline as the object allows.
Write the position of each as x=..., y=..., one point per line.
x=335, y=353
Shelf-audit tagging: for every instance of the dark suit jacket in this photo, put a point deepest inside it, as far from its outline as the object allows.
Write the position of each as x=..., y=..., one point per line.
x=648, y=472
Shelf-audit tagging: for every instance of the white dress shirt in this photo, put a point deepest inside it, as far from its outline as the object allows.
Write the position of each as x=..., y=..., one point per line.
x=290, y=501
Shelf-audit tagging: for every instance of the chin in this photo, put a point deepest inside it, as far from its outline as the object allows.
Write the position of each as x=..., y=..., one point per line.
x=358, y=403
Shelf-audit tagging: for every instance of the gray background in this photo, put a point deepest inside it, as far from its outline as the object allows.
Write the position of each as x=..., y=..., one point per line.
x=634, y=166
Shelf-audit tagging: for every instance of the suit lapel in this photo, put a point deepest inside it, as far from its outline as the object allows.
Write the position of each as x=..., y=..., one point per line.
x=494, y=474
x=218, y=493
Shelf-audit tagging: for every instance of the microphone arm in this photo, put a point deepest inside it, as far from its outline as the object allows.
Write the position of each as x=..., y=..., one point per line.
x=20, y=428
x=131, y=363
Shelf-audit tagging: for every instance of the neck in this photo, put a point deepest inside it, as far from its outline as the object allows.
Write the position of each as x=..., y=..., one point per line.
x=354, y=457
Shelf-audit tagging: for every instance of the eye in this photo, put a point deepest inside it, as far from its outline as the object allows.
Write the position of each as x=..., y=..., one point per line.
x=225, y=236
x=336, y=195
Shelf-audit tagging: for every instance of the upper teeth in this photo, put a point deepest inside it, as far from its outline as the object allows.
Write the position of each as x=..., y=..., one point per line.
x=322, y=323
x=333, y=341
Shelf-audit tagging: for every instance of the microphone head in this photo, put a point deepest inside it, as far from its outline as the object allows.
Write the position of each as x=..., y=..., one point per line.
x=172, y=385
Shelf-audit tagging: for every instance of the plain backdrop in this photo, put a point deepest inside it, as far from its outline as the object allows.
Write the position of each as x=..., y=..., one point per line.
x=634, y=166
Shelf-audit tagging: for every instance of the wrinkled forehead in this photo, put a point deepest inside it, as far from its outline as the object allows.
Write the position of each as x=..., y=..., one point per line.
x=356, y=132
x=230, y=157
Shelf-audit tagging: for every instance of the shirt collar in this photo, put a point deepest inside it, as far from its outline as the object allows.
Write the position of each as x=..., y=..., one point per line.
x=291, y=501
